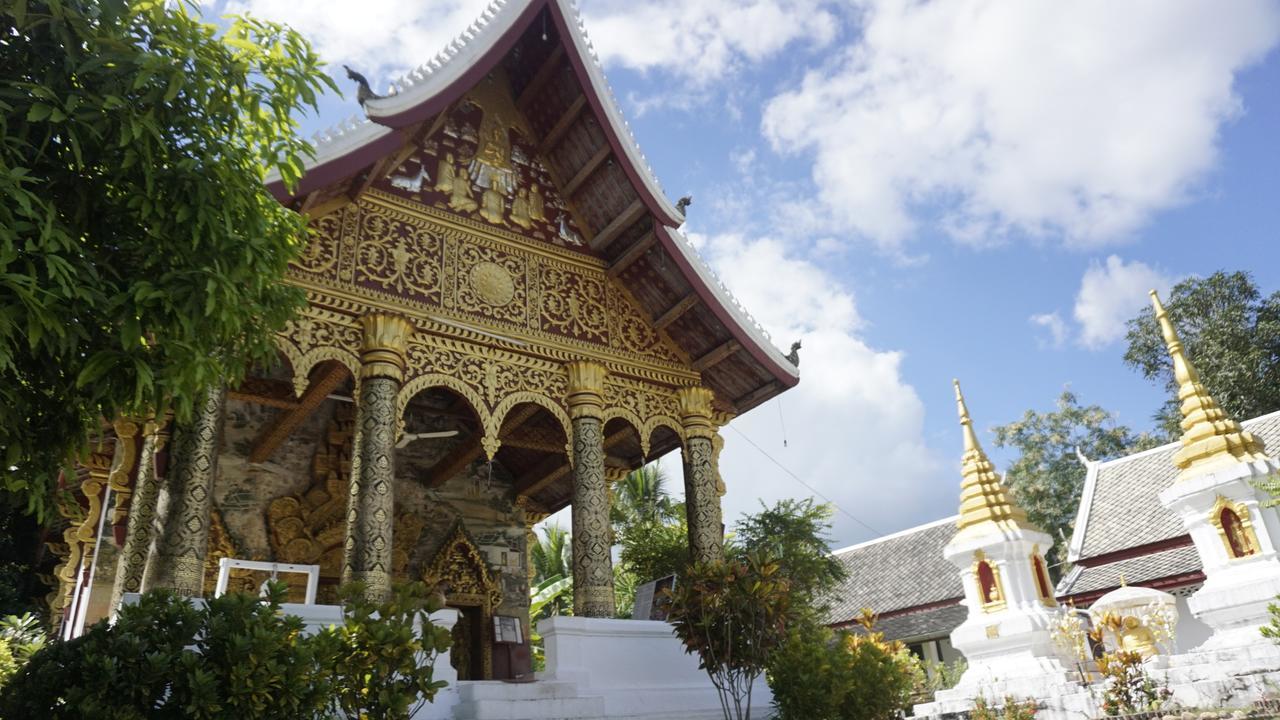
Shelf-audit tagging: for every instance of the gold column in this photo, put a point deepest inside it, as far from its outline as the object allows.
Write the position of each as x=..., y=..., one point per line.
x=183, y=540
x=701, y=496
x=371, y=498
x=132, y=565
x=592, y=563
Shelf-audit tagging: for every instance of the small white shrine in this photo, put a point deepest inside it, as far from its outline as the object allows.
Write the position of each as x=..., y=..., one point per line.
x=1007, y=636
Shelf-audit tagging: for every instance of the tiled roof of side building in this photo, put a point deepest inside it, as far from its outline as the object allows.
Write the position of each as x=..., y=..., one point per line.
x=929, y=623
x=1120, y=507
x=1140, y=570
x=895, y=572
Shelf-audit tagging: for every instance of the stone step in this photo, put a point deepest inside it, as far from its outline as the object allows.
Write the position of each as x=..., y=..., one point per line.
x=588, y=708
x=469, y=691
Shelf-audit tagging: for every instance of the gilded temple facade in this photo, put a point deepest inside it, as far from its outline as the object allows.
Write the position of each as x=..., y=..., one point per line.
x=502, y=320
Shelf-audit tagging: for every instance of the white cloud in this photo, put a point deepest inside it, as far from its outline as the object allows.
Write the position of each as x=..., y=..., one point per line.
x=697, y=41
x=381, y=38
x=1110, y=294
x=854, y=427
x=1055, y=325
x=704, y=40
x=1077, y=119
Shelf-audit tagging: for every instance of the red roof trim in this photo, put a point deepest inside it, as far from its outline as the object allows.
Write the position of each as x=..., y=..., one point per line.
x=1136, y=551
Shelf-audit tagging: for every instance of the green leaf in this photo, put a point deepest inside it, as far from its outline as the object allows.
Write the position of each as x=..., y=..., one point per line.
x=39, y=112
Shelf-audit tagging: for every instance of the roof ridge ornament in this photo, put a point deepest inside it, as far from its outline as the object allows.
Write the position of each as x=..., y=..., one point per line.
x=1210, y=438
x=983, y=498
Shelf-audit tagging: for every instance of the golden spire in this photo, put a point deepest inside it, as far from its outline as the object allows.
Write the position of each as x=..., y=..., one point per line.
x=1210, y=438
x=983, y=498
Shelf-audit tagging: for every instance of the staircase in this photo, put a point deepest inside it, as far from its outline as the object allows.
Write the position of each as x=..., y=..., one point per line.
x=541, y=700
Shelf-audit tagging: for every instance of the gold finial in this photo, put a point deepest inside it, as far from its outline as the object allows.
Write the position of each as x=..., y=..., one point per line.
x=1210, y=438
x=983, y=499
x=1122, y=582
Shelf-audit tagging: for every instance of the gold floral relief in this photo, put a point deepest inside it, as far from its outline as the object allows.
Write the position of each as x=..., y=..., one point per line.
x=491, y=283
x=631, y=330
x=320, y=256
x=398, y=254
x=573, y=304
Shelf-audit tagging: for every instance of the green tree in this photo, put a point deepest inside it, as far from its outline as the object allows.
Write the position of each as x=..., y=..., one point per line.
x=1047, y=476
x=733, y=614
x=641, y=496
x=140, y=252
x=1232, y=334
x=655, y=548
x=552, y=561
x=795, y=532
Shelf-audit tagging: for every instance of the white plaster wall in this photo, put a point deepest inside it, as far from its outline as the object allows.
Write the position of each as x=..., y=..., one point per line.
x=1191, y=632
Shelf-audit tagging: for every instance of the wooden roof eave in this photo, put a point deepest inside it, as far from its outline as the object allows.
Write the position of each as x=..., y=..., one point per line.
x=727, y=310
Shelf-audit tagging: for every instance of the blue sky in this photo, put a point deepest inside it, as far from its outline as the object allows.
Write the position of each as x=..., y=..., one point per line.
x=922, y=191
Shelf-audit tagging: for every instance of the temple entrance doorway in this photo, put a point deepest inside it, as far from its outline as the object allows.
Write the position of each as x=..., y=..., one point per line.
x=467, y=654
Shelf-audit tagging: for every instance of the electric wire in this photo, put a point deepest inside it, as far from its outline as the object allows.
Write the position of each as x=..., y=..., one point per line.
x=810, y=488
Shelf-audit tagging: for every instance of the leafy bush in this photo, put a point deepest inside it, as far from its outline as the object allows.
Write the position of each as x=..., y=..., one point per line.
x=733, y=614
x=238, y=657
x=821, y=674
x=1012, y=709
x=1126, y=686
x=935, y=676
x=386, y=653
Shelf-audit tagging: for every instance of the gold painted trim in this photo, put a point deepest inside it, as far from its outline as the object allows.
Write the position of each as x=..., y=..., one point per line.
x=1040, y=571
x=1250, y=539
x=486, y=232
x=1001, y=600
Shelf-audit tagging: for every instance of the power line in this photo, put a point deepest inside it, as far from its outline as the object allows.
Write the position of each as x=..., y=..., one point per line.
x=811, y=489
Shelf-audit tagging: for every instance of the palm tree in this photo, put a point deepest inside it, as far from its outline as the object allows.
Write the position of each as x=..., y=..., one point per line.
x=552, y=563
x=640, y=497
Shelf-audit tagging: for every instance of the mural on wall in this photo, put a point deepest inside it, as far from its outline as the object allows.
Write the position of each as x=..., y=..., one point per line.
x=293, y=508
x=482, y=164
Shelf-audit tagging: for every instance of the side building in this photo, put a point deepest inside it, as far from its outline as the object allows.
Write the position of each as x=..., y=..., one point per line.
x=905, y=580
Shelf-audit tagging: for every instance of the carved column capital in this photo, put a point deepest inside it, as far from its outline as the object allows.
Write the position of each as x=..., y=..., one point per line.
x=586, y=389
x=695, y=411
x=382, y=351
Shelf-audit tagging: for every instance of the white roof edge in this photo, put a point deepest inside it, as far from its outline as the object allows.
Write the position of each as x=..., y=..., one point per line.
x=1078, y=530
x=726, y=298
x=1068, y=580
x=330, y=144
x=481, y=36
x=901, y=533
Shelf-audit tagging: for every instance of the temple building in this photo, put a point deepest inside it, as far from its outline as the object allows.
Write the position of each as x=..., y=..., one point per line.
x=502, y=319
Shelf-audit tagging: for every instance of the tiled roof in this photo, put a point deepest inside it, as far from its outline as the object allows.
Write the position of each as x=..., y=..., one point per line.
x=1121, y=508
x=933, y=622
x=895, y=572
x=1133, y=571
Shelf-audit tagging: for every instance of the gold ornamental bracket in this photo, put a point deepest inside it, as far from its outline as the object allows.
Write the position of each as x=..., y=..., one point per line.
x=385, y=341
x=695, y=411
x=1210, y=438
x=585, y=396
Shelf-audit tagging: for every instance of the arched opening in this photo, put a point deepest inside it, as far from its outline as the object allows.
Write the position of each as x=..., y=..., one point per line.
x=988, y=584
x=1239, y=544
x=1043, y=586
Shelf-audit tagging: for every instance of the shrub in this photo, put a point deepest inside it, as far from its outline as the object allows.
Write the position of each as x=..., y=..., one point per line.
x=820, y=674
x=733, y=614
x=238, y=657
x=1126, y=686
x=386, y=653
x=1012, y=709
